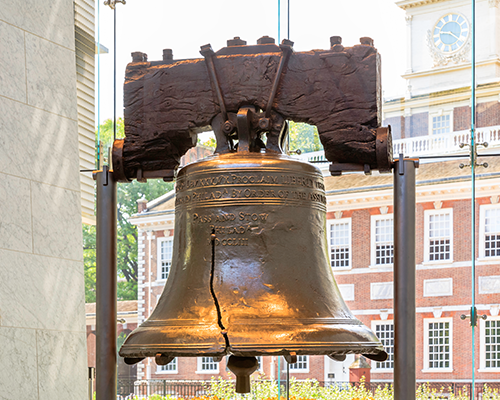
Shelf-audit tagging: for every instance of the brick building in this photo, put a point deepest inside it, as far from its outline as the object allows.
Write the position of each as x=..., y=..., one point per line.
x=431, y=120
x=126, y=323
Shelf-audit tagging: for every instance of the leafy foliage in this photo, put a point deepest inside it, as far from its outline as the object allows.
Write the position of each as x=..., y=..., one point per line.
x=304, y=137
x=127, y=196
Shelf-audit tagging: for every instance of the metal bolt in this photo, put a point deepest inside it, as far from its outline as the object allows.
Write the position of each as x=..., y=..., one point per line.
x=264, y=123
x=366, y=41
x=138, y=56
x=237, y=41
x=168, y=55
x=227, y=127
x=335, y=40
x=266, y=40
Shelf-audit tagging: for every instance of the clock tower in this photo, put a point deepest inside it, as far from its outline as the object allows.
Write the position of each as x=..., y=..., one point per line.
x=434, y=115
x=439, y=43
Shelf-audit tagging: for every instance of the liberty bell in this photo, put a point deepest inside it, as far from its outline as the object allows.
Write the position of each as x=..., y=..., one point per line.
x=250, y=272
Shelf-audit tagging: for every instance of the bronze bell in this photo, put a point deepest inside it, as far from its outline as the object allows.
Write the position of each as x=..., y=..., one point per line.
x=250, y=271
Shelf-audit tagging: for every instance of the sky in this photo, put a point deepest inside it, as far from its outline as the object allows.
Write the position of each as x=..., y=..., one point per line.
x=184, y=26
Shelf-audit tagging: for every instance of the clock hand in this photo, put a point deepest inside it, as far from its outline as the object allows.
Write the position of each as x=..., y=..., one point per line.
x=452, y=34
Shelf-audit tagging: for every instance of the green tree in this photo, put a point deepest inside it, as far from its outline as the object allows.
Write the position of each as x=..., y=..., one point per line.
x=127, y=196
x=304, y=137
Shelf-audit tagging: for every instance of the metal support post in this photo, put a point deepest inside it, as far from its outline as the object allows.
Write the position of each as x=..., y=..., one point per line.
x=106, y=307
x=404, y=279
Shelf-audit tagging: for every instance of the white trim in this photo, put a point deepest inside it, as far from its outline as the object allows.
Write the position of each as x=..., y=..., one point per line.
x=174, y=362
x=206, y=371
x=428, y=321
x=300, y=359
x=387, y=287
x=445, y=283
x=421, y=310
x=427, y=215
x=340, y=221
x=374, y=324
x=460, y=190
x=482, y=228
x=347, y=291
x=373, y=252
x=481, y=288
x=482, y=345
x=159, y=243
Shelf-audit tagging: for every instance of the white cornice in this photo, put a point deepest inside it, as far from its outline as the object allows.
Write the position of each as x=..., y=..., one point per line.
x=454, y=96
x=164, y=220
x=405, y=4
x=425, y=193
x=447, y=69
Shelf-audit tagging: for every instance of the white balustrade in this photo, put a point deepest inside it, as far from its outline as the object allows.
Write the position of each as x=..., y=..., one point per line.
x=430, y=145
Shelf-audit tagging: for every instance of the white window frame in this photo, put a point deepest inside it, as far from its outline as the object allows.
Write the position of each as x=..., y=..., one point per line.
x=482, y=231
x=439, y=113
x=159, y=259
x=482, y=345
x=427, y=239
x=260, y=359
x=174, y=363
x=375, y=364
x=373, y=237
x=294, y=368
x=340, y=221
x=426, y=367
x=199, y=366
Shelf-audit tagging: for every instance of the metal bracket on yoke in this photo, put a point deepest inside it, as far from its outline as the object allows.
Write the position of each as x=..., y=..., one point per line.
x=209, y=55
x=286, y=47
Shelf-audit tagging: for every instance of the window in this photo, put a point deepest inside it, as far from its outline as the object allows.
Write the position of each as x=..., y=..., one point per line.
x=207, y=365
x=437, y=345
x=302, y=364
x=340, y=243
x=439, y=234
x=490, y=344
x=385, y=332
x=170, y=368
x=441, y=124
x=382, y=240
x=490, y=230
x=261, y=364
x=164, y=257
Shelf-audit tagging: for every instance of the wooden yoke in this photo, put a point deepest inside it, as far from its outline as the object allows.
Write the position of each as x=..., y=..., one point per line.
x=168, y=102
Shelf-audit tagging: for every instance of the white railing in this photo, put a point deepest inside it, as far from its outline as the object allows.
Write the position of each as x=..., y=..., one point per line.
x=445, y=143
x=424, y=145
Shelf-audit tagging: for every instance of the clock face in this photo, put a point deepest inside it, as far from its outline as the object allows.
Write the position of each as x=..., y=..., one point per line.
x=451, y=33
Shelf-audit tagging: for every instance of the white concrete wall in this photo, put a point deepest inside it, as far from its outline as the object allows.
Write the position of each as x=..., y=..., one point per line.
x=42, y=316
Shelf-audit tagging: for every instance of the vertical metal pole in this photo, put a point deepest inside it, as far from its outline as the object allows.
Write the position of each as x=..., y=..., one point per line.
x=279, y=377
x=473, y=195
x=106, y=286
x=404, y=279
x=287, y=381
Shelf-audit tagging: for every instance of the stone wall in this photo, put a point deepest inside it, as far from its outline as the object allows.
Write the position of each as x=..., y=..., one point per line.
x=42, y=317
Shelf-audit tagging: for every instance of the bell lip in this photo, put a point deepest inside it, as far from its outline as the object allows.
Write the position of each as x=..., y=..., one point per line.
x=373, y=353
